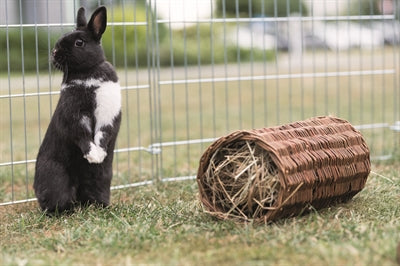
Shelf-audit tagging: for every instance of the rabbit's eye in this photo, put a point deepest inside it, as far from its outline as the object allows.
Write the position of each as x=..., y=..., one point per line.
x=79, y=43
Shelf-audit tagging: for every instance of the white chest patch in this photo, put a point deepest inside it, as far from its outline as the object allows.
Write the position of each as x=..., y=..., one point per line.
x=108, y=103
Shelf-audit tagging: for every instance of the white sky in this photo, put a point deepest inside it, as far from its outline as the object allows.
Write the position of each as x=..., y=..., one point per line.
x=184, y=10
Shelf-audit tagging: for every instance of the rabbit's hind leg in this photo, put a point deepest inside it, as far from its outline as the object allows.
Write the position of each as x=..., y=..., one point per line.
x=54, y=188
x=95, y=189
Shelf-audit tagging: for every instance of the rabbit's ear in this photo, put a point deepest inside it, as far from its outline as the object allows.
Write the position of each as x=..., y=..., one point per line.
x=98, y=22
x=81, y=19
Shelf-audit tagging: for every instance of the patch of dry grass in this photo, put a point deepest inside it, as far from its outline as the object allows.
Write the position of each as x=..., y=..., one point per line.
x=241, y=181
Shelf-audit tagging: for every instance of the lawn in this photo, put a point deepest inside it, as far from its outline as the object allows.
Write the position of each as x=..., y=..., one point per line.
x=165, y=224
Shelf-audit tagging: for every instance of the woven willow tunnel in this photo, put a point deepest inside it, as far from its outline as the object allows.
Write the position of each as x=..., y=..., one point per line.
x=266, y=174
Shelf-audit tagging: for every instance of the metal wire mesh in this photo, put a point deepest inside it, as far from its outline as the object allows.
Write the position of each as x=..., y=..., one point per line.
x=192, y=71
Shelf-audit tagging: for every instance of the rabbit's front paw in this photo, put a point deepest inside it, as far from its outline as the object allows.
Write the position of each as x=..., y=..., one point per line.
x=96, y=154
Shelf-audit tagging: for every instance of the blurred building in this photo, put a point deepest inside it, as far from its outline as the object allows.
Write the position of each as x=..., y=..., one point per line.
x=36, y=11
x=184, y=12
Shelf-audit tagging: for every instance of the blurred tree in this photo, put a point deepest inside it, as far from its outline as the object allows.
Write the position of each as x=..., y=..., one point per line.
x=268, y=8
x=127, y=44
x=364, y=7
x=36, y=49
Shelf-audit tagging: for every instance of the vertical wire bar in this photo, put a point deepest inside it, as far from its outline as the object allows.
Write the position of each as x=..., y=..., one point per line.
x=199, y=77
x=158, y=87
x=373, y=143
x=238, y=62
x=373, y=102
x=349, y=68
x=61, y=15
x=150, y=52
x=138, y=102
x=337, y=62
x=265, y=97
x=302, y=112
x=252, y=68
x=290, y=45
x=361, y=78
x=126, y=84
x=49, y=65
x=278, y=116
x=24, y=98
x=10, y=105
x=313, y=65
x=396, y=79
x=185, y=65
x=112, y=36
x=74, y=6
x=173, y=94
x=226, y=68
x=326, y=89
x=37, y=66
x=37, y=70
x=151, y=18
x=383, y=89
x=117, y=155
x=212, y=70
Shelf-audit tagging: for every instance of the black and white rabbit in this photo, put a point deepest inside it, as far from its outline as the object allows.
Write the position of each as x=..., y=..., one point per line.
x=74, y=163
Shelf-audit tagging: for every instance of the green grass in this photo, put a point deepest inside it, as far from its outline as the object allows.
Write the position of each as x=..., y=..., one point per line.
x=165, y=224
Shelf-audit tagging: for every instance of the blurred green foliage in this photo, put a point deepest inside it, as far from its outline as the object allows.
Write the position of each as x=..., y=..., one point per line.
x=205, y=45
x=26, y=48
x=256, y=8
x=131, y=44
x=127, y=45
x=363, y=7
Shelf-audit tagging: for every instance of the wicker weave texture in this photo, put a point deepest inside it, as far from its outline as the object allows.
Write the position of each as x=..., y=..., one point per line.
x=320, y=161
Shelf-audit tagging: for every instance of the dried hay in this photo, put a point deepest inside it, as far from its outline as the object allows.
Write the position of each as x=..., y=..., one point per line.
x=242, y=181
x=266, y=174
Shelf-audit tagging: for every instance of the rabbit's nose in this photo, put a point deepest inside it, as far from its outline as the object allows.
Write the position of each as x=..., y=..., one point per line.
x=53, y=53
